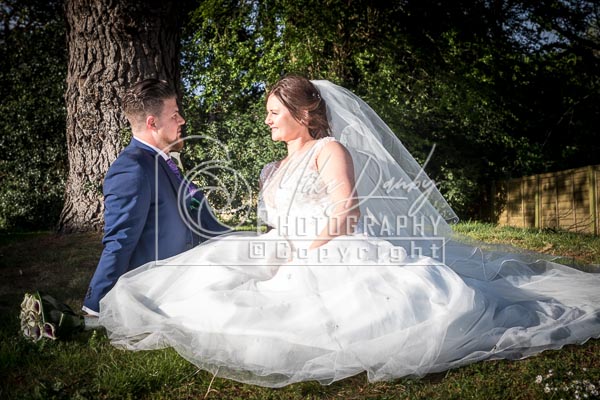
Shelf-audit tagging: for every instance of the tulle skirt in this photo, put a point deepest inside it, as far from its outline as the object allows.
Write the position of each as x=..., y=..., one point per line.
x=242, y=307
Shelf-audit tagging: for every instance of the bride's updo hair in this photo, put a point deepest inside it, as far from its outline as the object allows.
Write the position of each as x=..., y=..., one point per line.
x=304, y=102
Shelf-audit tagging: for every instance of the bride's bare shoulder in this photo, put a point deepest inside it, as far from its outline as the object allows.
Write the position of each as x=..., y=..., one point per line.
x=333, y=152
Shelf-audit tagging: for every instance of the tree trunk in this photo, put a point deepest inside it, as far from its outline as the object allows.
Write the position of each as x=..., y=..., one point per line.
x=111, y=45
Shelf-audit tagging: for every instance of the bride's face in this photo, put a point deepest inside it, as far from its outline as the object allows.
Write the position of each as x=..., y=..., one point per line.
x=284, y=127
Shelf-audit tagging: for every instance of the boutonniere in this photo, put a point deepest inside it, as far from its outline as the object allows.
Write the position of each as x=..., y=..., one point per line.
x=195, y=204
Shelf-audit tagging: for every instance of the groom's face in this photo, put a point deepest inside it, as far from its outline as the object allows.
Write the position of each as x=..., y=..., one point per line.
x=168, y=123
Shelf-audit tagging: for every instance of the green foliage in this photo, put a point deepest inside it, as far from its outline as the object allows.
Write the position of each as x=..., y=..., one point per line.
x=32, y=114
x=226, y=60
x=226, y=157
x=494, y=89
x=501, y=89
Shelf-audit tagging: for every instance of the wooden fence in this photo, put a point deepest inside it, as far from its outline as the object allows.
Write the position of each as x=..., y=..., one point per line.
x=566, y=200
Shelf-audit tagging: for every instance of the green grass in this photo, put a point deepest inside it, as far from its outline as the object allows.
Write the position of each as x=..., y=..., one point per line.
x=571, y=248
x=88, y=367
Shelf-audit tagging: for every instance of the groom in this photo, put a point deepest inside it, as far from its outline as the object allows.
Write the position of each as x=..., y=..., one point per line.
x=151, y=212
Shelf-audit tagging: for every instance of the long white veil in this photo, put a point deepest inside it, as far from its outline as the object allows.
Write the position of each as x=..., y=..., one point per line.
x=398, y=201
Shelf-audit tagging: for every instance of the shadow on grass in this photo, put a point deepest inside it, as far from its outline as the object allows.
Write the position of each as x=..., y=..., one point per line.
x=87, y=366
x=60, y=265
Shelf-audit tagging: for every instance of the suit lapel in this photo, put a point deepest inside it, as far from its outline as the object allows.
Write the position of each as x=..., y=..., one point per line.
x=172, y=178
x=162, y=166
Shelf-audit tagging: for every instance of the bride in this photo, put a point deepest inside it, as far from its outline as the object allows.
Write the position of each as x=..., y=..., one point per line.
x=357, y=272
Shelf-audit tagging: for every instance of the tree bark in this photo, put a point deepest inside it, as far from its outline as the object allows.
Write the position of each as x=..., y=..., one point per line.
x=111, y=45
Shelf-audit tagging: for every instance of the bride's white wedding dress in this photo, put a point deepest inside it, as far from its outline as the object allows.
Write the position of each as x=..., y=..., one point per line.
x=263, y=309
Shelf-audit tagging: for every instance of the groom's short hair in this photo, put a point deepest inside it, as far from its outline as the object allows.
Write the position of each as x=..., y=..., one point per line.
x=146, y=98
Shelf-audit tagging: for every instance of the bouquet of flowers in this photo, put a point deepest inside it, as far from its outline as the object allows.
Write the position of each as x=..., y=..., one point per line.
x=42, y=316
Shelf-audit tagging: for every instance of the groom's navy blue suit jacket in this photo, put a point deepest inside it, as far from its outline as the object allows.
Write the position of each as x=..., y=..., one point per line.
x=144, y=220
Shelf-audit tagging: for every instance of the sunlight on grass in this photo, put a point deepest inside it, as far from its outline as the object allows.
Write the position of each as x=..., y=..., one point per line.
x=575, y=247
x=89, y=367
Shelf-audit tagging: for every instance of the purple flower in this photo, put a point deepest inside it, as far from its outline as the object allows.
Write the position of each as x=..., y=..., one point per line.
x=42, y=316
x=36, y=306
x=36, y=333
x=25, y=300
x=49, y=331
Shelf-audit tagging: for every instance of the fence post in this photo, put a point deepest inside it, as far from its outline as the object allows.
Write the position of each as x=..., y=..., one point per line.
x=575, y=222
x=522, y=194
x=492, y=210
x=593, y=197
x=538, y=205
x=556, y=178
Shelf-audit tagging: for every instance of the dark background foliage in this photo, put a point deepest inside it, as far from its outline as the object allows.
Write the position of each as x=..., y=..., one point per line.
x=33, y=161
x=501, y=88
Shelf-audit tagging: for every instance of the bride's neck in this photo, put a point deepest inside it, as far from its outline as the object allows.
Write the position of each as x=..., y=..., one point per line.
x=296, y=145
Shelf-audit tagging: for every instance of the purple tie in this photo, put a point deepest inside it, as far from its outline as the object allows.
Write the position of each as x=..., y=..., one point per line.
x=190, y=185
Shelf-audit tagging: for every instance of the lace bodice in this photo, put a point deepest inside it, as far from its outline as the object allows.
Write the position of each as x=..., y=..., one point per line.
x=293, y=198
